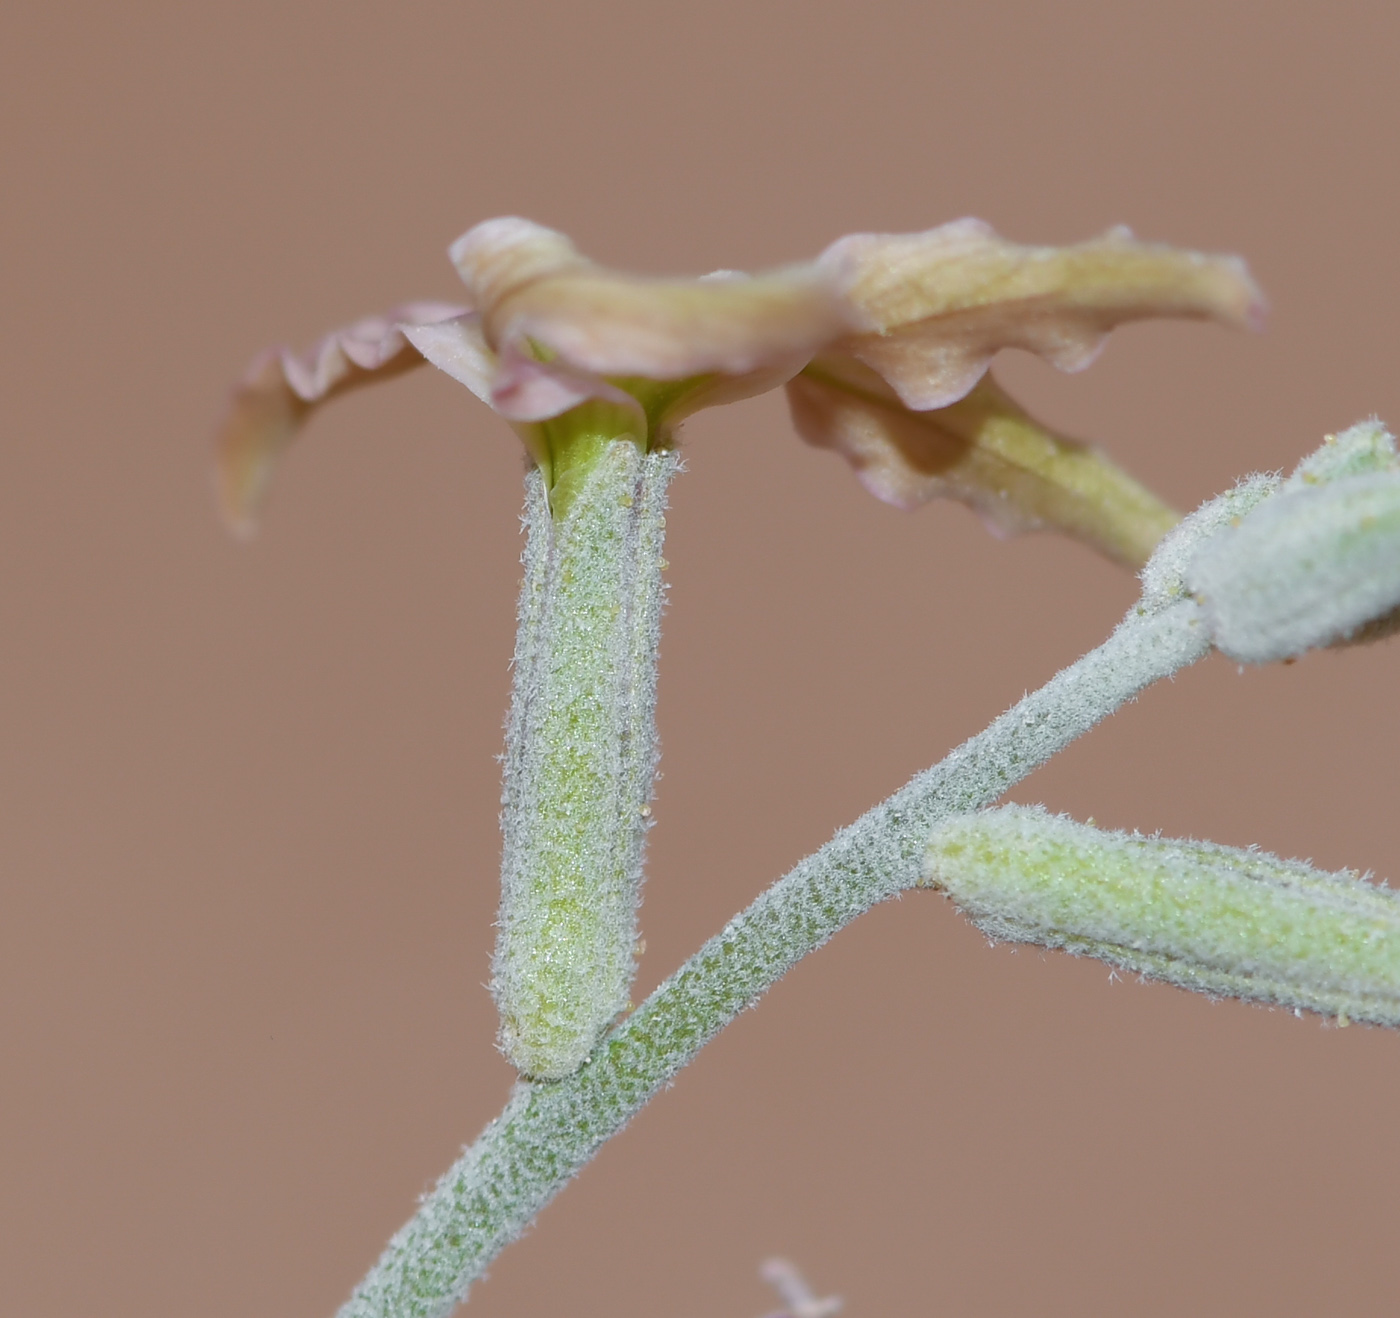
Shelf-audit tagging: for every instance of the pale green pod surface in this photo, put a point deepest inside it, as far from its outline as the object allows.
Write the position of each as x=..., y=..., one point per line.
x=580, y=758
x=1363, y=450
x=1214, y=919
x=1310, y=567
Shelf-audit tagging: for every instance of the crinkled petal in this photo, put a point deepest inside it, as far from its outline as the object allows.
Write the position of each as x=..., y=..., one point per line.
x=532, y=288
x=937, y=306
x=281, y=389
x=985, y=451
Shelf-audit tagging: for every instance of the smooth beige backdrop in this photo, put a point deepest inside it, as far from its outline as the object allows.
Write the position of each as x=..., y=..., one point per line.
x=247, y=863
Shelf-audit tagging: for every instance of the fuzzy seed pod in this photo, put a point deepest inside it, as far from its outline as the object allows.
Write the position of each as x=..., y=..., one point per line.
x=1218, y=920
x=580, y=758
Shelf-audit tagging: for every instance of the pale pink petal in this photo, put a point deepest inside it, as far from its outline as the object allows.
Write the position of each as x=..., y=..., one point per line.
x=984, y=451
x=937, y=306
x=458, y=348
x=281, y=389
x=520, y=389
x=669, y=331
x=532, y=288
x=528, y=390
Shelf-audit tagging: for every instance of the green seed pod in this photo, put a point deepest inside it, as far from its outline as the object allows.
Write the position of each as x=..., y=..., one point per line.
x=580, y=758
x=1214, y=919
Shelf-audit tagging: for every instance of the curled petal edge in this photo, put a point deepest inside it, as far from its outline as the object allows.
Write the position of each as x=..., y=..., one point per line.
x=937, y=306
x=280, y=390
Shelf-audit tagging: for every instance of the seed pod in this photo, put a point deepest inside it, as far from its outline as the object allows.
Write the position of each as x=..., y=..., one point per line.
x=580, y=758
x=1214, y=919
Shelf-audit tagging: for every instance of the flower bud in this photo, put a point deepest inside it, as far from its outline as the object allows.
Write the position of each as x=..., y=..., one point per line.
x=1311, y=566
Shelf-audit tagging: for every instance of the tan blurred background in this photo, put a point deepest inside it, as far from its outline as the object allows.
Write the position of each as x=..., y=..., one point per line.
x=249, y=831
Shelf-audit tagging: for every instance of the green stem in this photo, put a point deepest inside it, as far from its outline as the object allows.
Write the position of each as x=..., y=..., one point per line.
x=548, y=1131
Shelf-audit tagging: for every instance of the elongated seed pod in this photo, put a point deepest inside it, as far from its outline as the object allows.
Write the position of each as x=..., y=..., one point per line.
x=580, y=758
x=1214, y=919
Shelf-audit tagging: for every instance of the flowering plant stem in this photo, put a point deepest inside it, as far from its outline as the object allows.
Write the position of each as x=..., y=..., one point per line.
x=550, y=1129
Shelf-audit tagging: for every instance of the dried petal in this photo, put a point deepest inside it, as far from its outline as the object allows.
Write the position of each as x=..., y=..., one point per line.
x=937, y=306
x=551, y=332
x=281, y=389
x=984, y=451
x=532, y=288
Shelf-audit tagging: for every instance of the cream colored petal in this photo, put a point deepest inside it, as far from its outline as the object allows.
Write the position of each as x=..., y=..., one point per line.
x=498, y=257
x=670, y=330
x=532, y=288
x=985, y=451
x=937, y=306
x=281, y=389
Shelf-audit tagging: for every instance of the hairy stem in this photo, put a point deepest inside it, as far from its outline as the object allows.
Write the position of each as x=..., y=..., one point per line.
x=549, y=1130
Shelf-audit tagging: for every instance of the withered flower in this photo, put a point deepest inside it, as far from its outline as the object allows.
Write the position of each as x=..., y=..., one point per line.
x=883, y=343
